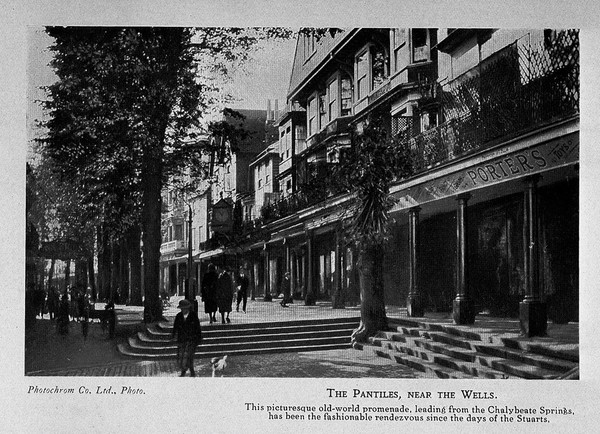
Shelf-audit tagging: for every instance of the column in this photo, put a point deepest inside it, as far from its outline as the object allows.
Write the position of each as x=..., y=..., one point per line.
x=177, y=278
x=338, y=299
x=293, y=273
x=414, y=303
x=267, y=275
x=463, y=311
x=310, y=299
x=532, y=310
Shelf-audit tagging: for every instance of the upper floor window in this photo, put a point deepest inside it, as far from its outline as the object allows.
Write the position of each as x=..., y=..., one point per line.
x=322, y=110
x=346, y=94
x=398, y=43
x=332, y=96
x=371, y=70
x=309, y=45
x=380, y=72
x=420, y=45
x=312, y=116
x=362, y=75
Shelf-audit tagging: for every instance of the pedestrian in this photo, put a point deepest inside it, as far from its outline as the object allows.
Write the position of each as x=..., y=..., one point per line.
x=53, y=303
x=187, y=331
x=85, y=320
x=209, y=292
x=62, y=320
x=285, y=288
x=224, y=295
x=242, y=290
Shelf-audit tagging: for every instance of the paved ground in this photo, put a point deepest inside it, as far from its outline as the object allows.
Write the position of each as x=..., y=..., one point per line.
x=47, y=353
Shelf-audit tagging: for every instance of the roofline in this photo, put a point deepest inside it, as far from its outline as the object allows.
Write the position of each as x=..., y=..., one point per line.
x=316, y=71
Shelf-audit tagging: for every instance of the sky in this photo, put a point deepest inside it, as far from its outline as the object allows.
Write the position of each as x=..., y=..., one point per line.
x=265, y=76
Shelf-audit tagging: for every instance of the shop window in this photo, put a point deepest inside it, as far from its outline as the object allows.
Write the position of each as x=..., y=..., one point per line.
x=420, y=45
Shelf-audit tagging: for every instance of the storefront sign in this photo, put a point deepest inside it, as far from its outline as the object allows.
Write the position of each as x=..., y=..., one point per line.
x=501, y=168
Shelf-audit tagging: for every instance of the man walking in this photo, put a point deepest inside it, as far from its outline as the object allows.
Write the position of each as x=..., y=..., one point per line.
x=242, y=290
x=186, y=329
x=285, y=288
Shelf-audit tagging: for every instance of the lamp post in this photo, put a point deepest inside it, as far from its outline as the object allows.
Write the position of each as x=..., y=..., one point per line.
x=190, y=293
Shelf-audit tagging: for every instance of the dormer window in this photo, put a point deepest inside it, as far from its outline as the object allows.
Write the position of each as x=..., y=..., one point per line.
x=309, y=45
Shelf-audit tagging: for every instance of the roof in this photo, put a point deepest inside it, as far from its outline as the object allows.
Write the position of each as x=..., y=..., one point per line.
x=254, y=123
x=301, y=69
x=271, y=150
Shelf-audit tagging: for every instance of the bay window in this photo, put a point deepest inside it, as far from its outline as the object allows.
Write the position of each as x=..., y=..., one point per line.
x=332, y=94
x=312, y=116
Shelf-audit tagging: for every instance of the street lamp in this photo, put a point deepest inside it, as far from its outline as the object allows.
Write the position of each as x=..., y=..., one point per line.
x=190, y=293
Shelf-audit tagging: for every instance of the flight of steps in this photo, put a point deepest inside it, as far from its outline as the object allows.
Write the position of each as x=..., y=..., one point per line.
x=250, y=338
x=444, y=351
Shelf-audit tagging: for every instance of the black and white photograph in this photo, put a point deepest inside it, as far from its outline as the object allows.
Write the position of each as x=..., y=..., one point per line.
x=351, y=227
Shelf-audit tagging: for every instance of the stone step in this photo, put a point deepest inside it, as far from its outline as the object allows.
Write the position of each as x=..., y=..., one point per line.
x=546, y=362
x=468, y=362
x=168, y=326
x=542, y=361
x=160, y=333
x=415, y=362
x=264, y=335
x=206, y=353
x=171, y=347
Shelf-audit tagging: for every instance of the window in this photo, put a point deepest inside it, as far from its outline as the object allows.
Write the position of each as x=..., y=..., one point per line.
x=309, y=45
x=399, y=42
x=322, y=111
x=312, y=116
x=428, y=120
x=332, y=95
x=346, y=86
x=379, y=67
x=266, y=179
x=420, y=48
x=178, y=232
x=288, y=185
x=362, y=75
x=260, y=183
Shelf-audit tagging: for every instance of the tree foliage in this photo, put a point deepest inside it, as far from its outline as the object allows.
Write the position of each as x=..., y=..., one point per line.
x=375, y=161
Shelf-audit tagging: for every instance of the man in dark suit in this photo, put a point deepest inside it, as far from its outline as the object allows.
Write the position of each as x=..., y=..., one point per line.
x=186, y=329
x=242, y=290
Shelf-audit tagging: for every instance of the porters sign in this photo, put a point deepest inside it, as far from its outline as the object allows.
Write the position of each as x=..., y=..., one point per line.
x=500, y=167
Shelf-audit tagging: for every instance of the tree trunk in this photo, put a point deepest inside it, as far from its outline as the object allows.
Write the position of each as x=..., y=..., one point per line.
x=372, y=309
x=67, y=273
x=114, y=270
x=91, y=277
x=104, y=266
x=124, y=271
x=151, y=215
x=80, y=272
x=135, y=260
x=51, y=272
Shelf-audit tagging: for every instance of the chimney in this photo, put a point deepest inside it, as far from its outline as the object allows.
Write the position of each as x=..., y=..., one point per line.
x=276, y=115
x=268, y=110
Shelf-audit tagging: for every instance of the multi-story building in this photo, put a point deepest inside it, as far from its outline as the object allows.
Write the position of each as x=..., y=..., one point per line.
x=230, y=183
x=487, y=219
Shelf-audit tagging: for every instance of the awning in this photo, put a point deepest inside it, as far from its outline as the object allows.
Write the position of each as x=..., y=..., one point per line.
x=211, y=253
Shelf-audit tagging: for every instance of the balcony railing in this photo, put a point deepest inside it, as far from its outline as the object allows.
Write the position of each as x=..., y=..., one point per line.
x=516, y=90
x=172, y=246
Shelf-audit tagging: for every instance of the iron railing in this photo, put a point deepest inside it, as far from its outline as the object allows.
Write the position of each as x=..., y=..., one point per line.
x=517, y=89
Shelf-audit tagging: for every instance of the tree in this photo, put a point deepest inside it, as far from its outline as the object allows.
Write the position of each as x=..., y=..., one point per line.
x=376, y=160
x=126, y=115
